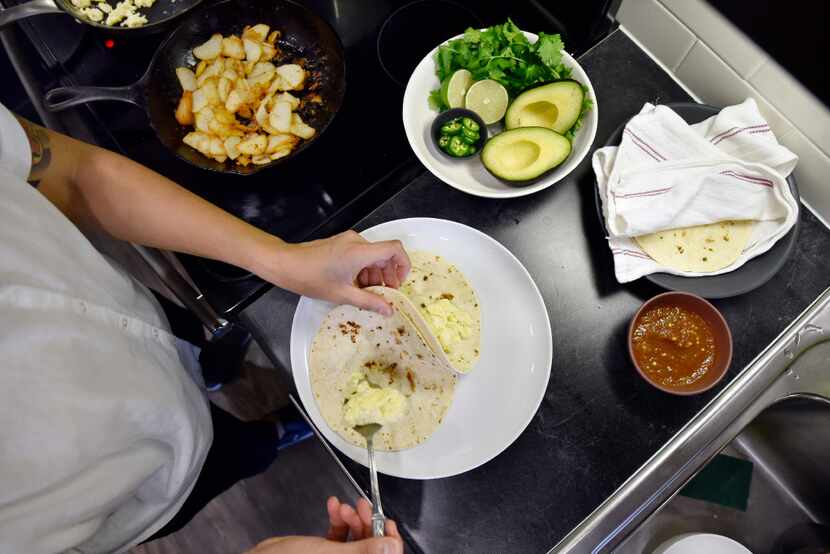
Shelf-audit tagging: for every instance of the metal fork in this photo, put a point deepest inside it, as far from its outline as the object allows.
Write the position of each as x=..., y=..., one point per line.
x=378, y=519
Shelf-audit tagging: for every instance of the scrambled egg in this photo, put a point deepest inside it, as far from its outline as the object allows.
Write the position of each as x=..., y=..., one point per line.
x=366, y=403
x=93, y=14
x=449, y=323
x=124, y=13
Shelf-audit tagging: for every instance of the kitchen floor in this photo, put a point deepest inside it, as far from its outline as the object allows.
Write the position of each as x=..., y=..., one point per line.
x=288, y=499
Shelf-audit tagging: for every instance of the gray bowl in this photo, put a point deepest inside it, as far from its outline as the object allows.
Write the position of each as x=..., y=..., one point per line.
x=449, y=115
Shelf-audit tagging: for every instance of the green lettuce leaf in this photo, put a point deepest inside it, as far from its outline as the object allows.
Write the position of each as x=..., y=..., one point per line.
x=549, y=49
x=503, y=53
x=435, y=101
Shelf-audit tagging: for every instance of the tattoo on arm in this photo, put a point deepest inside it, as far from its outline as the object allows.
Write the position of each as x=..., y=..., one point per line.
x=41, y=150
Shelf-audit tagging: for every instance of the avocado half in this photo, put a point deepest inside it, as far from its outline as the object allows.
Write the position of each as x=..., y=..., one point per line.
x=555, y=106
x=525, y=153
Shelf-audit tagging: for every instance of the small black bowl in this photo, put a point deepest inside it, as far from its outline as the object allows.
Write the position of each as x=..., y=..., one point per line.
x=454, y=113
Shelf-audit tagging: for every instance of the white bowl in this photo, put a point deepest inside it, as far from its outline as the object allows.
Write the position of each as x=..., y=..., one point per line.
x=469, y=175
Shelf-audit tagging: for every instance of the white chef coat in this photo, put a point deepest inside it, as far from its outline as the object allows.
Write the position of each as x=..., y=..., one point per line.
x=103, y=431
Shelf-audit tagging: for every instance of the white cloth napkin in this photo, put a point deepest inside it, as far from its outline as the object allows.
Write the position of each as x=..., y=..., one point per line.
x=667, y=174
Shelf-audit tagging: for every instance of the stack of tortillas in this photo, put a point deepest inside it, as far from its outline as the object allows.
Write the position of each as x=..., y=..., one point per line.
x=401, y=352
x=694, y=200
x=703, y=248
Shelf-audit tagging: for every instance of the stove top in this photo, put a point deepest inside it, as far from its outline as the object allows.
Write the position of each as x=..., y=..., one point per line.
x=361, y=160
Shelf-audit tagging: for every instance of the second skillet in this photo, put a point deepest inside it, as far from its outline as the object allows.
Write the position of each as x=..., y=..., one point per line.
x=157, y=92
x=158, y=15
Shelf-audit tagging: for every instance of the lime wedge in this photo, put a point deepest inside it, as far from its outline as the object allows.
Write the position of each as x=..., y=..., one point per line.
x=488, y=99
x=454, y=88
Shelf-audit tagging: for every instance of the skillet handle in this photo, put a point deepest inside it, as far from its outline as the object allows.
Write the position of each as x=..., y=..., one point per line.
x=34, y=7
x=65, y=97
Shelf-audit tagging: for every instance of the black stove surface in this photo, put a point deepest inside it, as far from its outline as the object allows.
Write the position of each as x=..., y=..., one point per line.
x=358, y=163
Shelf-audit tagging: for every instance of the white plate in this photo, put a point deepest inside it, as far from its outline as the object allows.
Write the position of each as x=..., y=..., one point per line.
x=469, y=175
x=695, y=543
x=494, y=403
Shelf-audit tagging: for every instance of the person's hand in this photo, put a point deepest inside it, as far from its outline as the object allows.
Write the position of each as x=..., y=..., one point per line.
x=344, y=521
x=334, y=269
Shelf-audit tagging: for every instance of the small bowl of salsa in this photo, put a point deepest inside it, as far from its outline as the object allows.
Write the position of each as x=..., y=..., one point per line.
x=680, y=343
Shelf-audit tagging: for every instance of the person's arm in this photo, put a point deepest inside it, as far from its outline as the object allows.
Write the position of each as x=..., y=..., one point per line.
x=98, y=189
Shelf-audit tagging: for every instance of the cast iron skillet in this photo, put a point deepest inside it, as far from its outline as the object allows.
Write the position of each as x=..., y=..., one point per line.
x=304, y=35
x=161, y=13
x=749, y=276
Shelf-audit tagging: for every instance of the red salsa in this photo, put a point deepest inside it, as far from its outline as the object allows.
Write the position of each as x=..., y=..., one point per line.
x=673, y=346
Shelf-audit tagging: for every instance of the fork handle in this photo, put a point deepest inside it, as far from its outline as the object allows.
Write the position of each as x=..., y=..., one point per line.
x=378, y=519
x=378, y=524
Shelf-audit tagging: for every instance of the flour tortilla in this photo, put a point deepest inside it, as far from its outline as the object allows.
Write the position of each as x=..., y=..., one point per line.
x=392, y=352
x=431, y=278
x=701, y=249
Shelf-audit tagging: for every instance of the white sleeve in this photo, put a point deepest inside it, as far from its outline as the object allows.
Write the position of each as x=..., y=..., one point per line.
x=15, y=153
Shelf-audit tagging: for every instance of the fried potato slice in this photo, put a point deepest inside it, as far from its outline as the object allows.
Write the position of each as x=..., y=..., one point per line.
x=184, y=111
x=269, y=51
x=261, y=115
x=270, y=130
x=203, y=119
x=213, y=70
x=253, y=51
x=232, y=47
x=239, y=97
x=263, y=68
x=211, y=91
x=236, y=65
x=200, y=101
x=261, y=30
x=258, y=32
x=223, y=87
x=280, y=117
x=293, y=75
x=232, y=146
x=223, y=116
x=206, y=95
x=235, y=101
x=253, y=144
x=300, y=128
x=281, y=141
x=260, y=83
x=217, y=149
x=289, y=98
x=209, y=50
x=187, y=79
x=198, y=141
x=273, y=37
x=277, y=85
x=281, y=153
x=224, y=130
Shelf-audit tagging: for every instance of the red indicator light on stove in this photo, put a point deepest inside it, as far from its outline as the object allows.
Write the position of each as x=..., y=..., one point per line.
x=109, y=43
